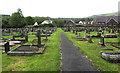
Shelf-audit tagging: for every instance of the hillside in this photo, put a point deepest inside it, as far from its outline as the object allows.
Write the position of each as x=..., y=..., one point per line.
x=106, y=14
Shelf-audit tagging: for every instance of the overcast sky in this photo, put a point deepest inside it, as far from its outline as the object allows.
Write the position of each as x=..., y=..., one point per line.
x=59, y=8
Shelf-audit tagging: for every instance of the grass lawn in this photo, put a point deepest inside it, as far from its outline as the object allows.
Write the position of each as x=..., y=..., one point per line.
x=49, y=61
x=91, y=50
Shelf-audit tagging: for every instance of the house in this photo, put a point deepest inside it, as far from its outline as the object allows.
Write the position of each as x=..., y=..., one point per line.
x=85, y=23
x=106, y=21
x=47, y=22
x=70, y=23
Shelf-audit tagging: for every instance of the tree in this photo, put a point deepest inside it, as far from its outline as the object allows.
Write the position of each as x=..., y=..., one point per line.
x=29, y=20
x=5, y=23
x=5, y=20
x=58, y=21
x=17, y=19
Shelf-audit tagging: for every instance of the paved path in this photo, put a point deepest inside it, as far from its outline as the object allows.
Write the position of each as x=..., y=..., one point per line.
x=72, y=58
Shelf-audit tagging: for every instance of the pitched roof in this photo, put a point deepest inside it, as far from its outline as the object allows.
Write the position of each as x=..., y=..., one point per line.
x=46, y=22
x=106, y=18
x=35, y=24
x=70, y=22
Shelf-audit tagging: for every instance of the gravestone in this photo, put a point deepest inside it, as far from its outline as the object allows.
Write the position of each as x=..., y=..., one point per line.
x=90, y=40
x=76, y=32
x=39, y=38
x=73, y=31
x=26, y=38
x=7, y=47
x=99, y=34
x=109, y=31
x=78, y=35
x=85, y=34
x=46, y=34
x=113, y=31
x=11, y=31
x=102, y=41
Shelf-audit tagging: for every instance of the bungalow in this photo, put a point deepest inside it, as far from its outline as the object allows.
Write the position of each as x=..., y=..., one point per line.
x=47, y=22
x=106, y=21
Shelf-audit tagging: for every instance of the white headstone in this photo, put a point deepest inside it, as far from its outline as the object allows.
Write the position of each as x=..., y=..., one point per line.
x=85, y=34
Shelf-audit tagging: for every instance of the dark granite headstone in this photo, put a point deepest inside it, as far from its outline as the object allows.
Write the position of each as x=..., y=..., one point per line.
x=79, y=34
x=46, y=34
x=26, y=38
x=7, y=47
x=102, y=41
x=39, y=38
x=109, y=31
x=76, y=32
x=73, y=31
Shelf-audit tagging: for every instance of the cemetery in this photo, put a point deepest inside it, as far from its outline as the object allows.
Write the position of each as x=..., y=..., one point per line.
x=39, y=41
x=51, y=44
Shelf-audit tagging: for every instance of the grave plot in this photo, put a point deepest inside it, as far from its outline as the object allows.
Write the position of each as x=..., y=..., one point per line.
x=4, y=44
x=8, y=39
x=112, y=42
x=110, y=36
x=22, y=38
x=28, y=50
x=116, y=45
x=111, y=56
x=103, y=42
